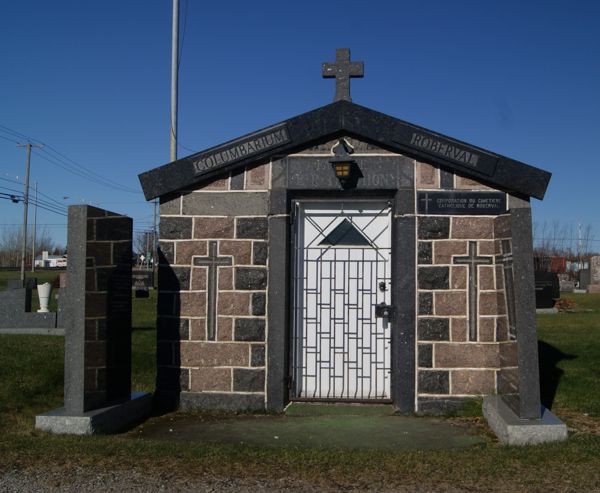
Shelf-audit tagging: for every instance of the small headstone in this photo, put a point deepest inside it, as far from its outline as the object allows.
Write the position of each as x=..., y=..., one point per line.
x=567, y=286
x=584, y=279
x=142, y=282
x=547, y=289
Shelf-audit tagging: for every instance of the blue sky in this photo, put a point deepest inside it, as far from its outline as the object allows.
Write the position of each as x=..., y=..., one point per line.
x=92, y=80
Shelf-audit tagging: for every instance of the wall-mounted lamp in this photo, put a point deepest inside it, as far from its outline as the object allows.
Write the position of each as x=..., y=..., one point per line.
x=344, y=167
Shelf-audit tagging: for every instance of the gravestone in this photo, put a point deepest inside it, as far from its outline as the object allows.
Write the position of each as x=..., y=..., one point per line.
x=15, y=311
x=584, y=279
x=96, y=312
x=567, y=286
x=547, y=289
x=143, y=281
x=594, y=285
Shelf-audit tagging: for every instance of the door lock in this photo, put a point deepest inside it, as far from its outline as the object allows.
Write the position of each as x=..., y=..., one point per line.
x=384, y=311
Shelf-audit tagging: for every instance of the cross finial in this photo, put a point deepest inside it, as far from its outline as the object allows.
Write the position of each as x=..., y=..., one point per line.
x=343, y=69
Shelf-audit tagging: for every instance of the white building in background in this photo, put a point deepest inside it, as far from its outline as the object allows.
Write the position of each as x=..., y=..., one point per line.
x=51, y=261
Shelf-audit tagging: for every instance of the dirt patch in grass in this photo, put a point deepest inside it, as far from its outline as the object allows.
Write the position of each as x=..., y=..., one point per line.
x=578, y=422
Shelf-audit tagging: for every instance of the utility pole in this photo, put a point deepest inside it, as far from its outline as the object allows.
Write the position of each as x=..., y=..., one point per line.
x=28, y=147
x=34, y=229
x=174, y=74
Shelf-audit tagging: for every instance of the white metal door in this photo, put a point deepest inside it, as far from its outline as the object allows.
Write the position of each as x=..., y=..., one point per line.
x=342, y=270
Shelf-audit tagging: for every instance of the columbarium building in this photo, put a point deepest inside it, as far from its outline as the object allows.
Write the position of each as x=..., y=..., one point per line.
x=346, y=255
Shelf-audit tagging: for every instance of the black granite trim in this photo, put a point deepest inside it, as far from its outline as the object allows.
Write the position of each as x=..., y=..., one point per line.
x=404, y=202
x=527, y=343
x=434, y=228
x=425, y=355
x=248, y=380
x=86, y=224
x=250, y=278
x=259, y=253
x=236, y=181
x=257, y=355
x=249, y=329
x=259, y=301
x=346, y=118
x=425, y=303
x=278, y=202
x=434, y=277
x=277, y=314
x=434, y=381
x=175, y=228
x=252, y=228
x=439, y=406
x=446, y=180
x=434, y=329
x=221, y=402
x=425, y=252
x=403, y=295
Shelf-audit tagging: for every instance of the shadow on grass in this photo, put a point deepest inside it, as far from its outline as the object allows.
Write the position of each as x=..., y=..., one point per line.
x=550, y=373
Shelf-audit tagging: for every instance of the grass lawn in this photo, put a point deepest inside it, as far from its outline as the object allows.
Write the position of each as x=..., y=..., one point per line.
x=31, y=382
x=41, y=275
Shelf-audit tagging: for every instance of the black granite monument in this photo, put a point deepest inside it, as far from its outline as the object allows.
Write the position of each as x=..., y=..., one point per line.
x=96, y=312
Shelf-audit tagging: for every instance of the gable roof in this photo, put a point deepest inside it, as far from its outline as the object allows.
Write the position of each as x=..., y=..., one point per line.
x=344, y=118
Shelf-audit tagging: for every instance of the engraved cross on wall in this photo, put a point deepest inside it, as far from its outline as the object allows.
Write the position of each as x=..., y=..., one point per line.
x=342, y=69
x=506, y=260
x=425, y=199
x=473, y=261
x=212, y=262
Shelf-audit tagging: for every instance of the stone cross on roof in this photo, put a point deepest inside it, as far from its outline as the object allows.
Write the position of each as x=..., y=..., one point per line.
x=342, y=69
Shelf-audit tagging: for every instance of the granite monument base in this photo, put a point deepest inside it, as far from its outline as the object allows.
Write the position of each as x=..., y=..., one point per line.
x=34, y=331
x=512, y=430
x=110, y=419
x=546, y=311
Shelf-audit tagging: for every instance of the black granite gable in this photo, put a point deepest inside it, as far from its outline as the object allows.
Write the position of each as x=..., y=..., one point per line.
x=346, y=118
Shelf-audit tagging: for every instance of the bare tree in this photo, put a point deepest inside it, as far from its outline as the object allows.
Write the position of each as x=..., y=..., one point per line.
x=10, y=245
x=560, y=240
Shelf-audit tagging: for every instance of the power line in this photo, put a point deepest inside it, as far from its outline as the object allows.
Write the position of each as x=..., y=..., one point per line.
x=68, y=164
x=42, y=205
x=58, y=225
x=19, y=135
x=61, y=204
x=568, y=240
x=18, y=194
x=10, y=140
x=83, y=173
x=90, y=172
x=58, y=205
